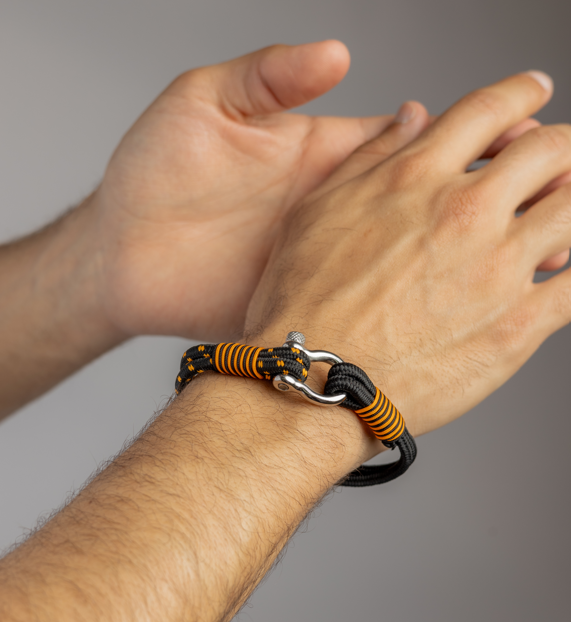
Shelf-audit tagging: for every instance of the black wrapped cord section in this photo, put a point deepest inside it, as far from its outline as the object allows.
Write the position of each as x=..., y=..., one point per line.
x=363, y=397
x=350, y=379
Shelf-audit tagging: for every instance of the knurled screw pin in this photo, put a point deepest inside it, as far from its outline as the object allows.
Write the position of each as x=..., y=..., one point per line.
x=295, y=336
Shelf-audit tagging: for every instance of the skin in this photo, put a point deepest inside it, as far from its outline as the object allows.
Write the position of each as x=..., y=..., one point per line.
x=427, y=281
x=185, y=522
x=176, y=236
x=201, y=182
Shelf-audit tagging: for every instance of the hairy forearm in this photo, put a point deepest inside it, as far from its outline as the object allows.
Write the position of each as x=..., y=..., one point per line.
x=50, y=317
x=183, y=525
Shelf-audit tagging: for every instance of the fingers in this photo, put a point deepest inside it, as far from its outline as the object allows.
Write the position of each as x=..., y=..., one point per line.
x=332, y=140
x=335, y=138
x=466, y=130
x=557, y=261
x=554, y=263
x=545, y=229
x=371, y=127
x=526, y=165
x=508, y=137
x=554, y=184
x=554, y=295
x=530, y=168
x=411, y=120
x=279, y=77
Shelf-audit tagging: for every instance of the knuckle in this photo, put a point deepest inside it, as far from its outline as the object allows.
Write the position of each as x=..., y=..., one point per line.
x=495, y=265
x=485, y=101
x=555, y=138
x=275, y=47
x=190, y=80
x=407, y=169
x=461, y=207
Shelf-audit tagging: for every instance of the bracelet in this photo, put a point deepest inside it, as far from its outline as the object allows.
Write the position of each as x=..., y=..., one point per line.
x=287, y=368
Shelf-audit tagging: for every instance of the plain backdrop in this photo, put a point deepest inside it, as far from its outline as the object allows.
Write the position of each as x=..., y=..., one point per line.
x=479, y=528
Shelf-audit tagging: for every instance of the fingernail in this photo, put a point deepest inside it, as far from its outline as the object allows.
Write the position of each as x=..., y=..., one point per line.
x=405, y=114
x=543, y=79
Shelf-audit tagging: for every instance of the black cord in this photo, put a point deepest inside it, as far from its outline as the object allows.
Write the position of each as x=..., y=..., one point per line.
x=350, y=379
x=363, y=397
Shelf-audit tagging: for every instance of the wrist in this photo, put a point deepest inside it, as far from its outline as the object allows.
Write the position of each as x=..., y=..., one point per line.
x=69, y=277
x=319, y=337
x=52, y=285
x=227, y=472
x=301, y=445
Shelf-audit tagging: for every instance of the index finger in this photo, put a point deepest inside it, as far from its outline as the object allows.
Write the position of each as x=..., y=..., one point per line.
x=471, y=125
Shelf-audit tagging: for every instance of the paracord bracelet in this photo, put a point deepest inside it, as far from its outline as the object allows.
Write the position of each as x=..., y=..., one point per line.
x=287, y=368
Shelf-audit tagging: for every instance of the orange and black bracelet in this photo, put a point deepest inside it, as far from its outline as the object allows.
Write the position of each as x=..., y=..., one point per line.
x=287, y=368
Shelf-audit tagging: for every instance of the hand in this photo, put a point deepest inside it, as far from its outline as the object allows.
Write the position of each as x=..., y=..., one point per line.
x=419, y=271
x=175, y=238
x=178, y=233
x=192, y=199
x=414, y=269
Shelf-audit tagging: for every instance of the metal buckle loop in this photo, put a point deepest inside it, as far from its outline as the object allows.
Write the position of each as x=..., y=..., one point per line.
x=284, y=383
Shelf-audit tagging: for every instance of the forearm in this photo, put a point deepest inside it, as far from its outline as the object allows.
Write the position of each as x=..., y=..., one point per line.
x=184, y=524
x=51, y=322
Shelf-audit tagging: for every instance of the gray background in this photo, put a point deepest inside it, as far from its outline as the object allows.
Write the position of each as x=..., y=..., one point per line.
x=479, y=529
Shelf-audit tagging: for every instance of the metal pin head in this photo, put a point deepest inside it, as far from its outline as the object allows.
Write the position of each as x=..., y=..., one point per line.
x=295, y=336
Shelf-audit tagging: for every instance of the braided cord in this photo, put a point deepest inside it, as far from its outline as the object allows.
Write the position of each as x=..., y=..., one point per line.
x=241, y=360
x=378, y=412
x=363, y=397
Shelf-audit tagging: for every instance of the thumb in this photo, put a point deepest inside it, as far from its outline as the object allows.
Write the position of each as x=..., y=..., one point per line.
x=280, y=77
